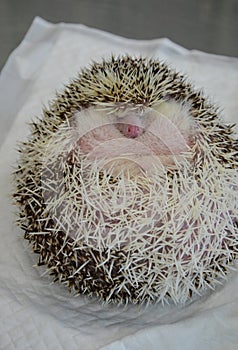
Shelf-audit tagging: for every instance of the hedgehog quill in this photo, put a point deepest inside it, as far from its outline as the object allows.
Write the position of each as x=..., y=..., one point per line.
x=126, y=187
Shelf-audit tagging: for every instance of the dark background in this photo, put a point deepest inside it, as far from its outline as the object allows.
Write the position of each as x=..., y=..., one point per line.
x=207, y=25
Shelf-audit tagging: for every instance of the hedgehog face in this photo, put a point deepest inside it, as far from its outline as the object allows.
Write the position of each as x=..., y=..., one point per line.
x=164, y=131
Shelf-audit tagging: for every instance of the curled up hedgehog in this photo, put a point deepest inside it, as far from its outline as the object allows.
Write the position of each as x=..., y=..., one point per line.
x=127, y=186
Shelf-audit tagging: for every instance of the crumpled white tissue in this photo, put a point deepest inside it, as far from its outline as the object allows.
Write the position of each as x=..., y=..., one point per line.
x=36, y=314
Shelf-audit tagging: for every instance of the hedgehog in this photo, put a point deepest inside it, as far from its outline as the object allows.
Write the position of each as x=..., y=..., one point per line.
x=126, y=185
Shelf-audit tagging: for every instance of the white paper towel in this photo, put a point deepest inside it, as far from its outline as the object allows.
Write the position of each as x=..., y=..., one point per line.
x=38, y=315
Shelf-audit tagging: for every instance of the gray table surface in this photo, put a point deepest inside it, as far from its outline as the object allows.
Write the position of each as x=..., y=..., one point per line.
x=207, y=25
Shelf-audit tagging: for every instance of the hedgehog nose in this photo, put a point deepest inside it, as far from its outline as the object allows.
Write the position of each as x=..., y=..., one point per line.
x=133, y=131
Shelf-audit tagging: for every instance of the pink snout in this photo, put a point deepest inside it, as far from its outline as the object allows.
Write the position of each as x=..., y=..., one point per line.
x=130, y=130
